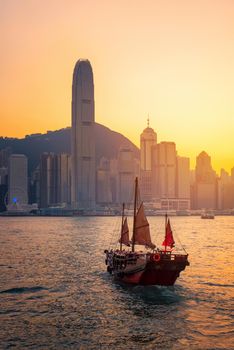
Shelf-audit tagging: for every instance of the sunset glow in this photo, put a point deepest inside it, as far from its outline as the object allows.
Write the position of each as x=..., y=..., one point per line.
x=171, y=59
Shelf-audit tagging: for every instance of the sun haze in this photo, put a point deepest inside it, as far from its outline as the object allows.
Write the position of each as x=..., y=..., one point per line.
x=172, y=59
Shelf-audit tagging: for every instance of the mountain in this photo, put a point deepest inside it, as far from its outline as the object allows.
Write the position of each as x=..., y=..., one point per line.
x=108, y=143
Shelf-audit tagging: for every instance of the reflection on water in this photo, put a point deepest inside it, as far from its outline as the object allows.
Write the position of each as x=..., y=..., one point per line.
x=55, y=293
x=150, y=295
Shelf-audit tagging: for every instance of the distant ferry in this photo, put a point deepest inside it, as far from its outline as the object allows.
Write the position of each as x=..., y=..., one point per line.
x=207, y=216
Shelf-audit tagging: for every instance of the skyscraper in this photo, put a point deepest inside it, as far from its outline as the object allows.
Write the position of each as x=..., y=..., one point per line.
x=48, y=180
x=205, y=186
x=164, y=164
x=148, y=140
x=232, y=174
x=103, y=191
x=204, y=171
x=183, y=178
x=64, y=178
x=126, y=175
x=55, y=180
x=4, y=156
x=83, y=143
x=18, y=181
x=223, y=190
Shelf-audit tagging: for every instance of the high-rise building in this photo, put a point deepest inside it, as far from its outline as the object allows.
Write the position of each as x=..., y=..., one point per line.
x=3, y=187
x=64, y=183
x=4, y=159
x=83, y=140
x=204, y=171
x=17, y=181
x=148, y=140
x=48, y=180
x=114, y=180
x=104, y=195
x=55, y=179
x=4, y=156
x=35, y=186
x=3, y=175
x=164, y=170
x=205, y=183
x=232, y=175
x=126, y=175
x=183, y=178
x=224, y=191
x=228, y=196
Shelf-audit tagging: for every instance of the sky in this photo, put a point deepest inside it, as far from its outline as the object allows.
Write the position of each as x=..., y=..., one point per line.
x=170, y=59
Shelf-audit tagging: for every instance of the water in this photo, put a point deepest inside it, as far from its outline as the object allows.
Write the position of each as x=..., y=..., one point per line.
x=55, y=293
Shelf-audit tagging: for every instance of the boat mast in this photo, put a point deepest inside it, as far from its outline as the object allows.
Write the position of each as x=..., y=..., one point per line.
x=122, y=226
x=134, y=217
x=165, y=232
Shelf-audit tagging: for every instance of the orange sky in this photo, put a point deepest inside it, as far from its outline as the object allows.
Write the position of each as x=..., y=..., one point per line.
x=173, y=59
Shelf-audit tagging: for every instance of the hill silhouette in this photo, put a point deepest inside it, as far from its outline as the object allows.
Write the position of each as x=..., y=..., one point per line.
x=107, y=141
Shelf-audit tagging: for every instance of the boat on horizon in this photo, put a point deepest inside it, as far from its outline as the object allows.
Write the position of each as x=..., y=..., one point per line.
x=207, y=215
x=154, y=266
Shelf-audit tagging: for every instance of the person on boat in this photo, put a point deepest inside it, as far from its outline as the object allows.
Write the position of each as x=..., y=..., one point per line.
x=110, y=260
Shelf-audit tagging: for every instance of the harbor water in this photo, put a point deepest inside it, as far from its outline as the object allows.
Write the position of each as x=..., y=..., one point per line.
x=55, y=292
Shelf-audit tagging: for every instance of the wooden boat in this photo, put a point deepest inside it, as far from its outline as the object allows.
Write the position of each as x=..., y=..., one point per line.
x=151, y=267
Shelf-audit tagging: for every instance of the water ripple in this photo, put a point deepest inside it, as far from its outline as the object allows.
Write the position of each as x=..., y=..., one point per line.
x=57, y=294
x=23, y=290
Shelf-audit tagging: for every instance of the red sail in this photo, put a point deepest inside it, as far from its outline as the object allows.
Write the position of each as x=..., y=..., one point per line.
x=124, y=239
x=169, y=240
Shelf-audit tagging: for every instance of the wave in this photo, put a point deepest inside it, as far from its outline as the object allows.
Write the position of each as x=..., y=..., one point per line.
x=153, y=295
x=23, y=290
x=218, y=284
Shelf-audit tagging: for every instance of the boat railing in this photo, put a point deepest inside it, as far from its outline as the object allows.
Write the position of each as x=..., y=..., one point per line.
x=172, y=256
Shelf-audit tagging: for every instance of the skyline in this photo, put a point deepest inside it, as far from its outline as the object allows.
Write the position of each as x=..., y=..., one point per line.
x=168, y=59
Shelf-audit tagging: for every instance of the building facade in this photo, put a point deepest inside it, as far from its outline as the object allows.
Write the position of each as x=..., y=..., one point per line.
x=125, y=176
x=148, y=140
x=103, y=188
x=205, y=189
x=164, y=170
x=83, y=138
x=64, y=182
x=183, y=178
x=55, y=180
x=17, y=181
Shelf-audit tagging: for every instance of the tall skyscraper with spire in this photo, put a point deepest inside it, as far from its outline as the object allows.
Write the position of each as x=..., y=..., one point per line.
x=83, y=140
x=147, y=141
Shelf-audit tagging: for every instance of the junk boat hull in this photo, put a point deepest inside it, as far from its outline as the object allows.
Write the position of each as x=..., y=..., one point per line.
x=157, y=269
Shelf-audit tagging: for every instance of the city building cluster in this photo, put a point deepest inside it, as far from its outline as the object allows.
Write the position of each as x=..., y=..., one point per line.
x=78, y=183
